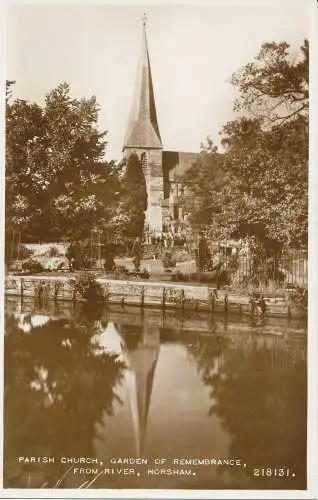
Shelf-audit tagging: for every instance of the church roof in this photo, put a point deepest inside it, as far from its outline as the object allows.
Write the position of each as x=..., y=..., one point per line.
x=143, y=129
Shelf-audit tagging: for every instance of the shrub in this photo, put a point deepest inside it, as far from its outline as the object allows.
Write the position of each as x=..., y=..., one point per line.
x=24, y=252
x=108, y=254
x=136, y=261
x=181, y=255
x=89, y=288
x=179, y=276
x=168, y=260
x=109, y=263
x=144, y=274
x=179, y=241
x=299, y=297
x=32, y=267
x=120, y=273
x=53, y=252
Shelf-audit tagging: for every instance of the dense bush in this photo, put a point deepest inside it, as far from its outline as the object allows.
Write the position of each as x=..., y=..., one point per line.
x=144, y=274
x=179, y=241
x=120, y=273
x=179, y=276
x=181, y=255
x=32, y=267
x=53, y=252
x=24, y=252
x=299, y=297
x=168, y=260
x=108, y=254
x=89, y=288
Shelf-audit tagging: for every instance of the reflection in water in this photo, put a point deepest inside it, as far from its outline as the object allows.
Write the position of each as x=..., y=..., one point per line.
x=140, y=359
x=102, y=384
x=258, y=390
x=56, y=389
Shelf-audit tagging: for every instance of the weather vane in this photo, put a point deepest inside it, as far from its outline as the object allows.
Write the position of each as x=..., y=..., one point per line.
x=144, y=19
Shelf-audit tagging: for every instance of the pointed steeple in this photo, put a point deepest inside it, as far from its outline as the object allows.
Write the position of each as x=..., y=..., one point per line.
x=143, y=130
x=142, y=364
x=139, y=373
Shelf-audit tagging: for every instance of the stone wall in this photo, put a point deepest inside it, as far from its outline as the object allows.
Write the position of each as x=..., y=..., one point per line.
x=162, y=295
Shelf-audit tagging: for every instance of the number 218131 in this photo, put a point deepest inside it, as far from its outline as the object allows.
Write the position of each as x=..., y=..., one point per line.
x=272, y=472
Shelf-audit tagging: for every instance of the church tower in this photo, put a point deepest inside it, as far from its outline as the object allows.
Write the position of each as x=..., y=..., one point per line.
x=143, y=137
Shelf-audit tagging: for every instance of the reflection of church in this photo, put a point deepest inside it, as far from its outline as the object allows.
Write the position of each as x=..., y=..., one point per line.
x=162, y=169
x=141, y=362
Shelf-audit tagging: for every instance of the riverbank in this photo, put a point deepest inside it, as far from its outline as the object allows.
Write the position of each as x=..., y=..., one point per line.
x=163, y=295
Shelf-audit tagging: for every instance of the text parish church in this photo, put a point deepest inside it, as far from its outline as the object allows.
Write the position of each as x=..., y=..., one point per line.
x=161, y=168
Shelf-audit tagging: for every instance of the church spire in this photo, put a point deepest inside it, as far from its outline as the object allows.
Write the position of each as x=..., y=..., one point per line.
x=143, y=130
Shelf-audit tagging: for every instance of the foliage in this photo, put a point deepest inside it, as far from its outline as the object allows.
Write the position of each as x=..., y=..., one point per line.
x=168, y=260
x=24, y=252
x=82, y=254
x=178, y=276
x=299, y=297
x=108, y=254
x=144, y=274
x=137, y=253
x=274, y=87
x=87, y=286
x=203, y=255
x=79, y=255
x=120, y=273
x=258, y=186
x=271, y=211
x=56, y=178
x=136, y=262
x=32, y=266
x=53, y=252
x=133, y=199
x=205, y=184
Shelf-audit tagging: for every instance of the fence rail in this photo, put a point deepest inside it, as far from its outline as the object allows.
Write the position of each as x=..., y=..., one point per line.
x=286, y=270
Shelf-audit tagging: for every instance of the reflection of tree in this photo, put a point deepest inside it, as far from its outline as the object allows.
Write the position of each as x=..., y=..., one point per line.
x=207, y=351
x=259, y=393
x=63, y=384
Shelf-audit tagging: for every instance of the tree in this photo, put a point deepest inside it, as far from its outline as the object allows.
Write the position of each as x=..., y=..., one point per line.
x=133, y=198
x=24, y=125
x=258, y=186
x=205, y=184
x=57, y=182
x=274, y=87
x=268, y=172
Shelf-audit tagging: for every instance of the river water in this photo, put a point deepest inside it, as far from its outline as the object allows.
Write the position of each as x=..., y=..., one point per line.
x=119, y=398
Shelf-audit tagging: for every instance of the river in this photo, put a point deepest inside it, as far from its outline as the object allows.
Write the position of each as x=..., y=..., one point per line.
x=120, y=398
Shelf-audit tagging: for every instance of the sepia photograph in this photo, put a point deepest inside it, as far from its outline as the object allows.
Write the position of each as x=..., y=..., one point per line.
x=156, y=249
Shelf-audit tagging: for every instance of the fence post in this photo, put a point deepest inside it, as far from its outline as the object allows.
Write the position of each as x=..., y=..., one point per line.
x=142, y=298
x=182, y=299
x=163, y=298
x=55, y=290
x=74, y=291
x=211, y=300
x=226, y=303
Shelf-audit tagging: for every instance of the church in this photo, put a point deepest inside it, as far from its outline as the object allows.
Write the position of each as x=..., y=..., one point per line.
x=162, y=169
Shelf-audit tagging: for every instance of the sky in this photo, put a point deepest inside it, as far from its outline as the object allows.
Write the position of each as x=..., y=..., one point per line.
x=194, y=50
